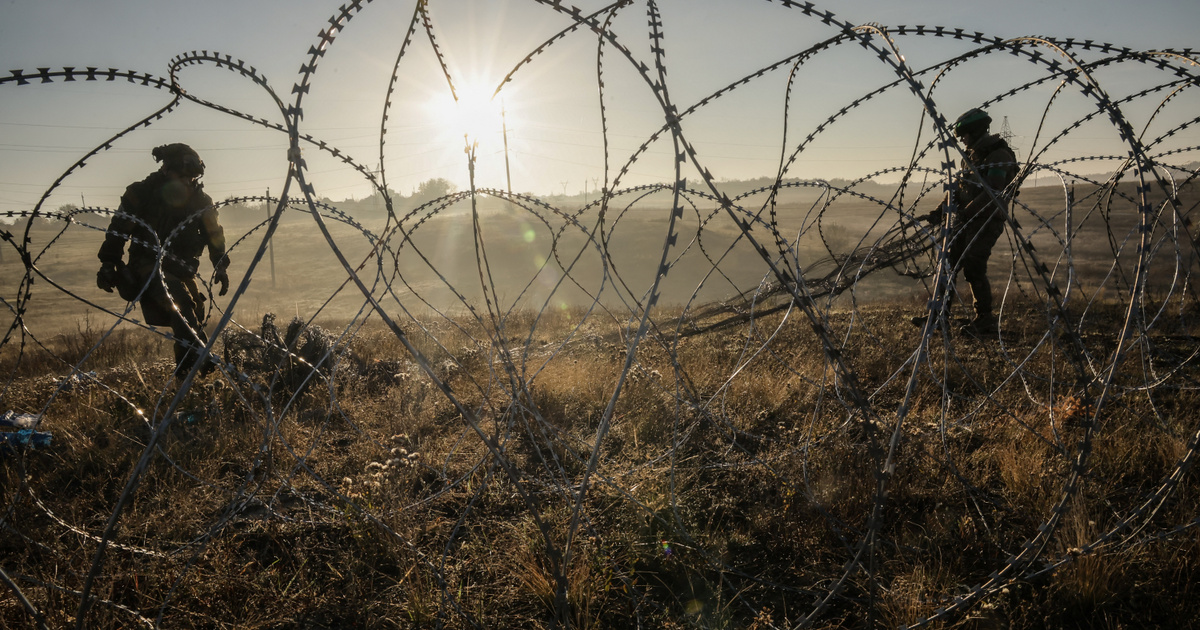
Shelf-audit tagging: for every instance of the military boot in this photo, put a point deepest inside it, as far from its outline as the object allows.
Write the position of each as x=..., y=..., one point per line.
x=984, y=324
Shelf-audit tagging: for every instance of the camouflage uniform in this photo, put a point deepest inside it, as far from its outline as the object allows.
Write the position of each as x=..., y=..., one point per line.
x=979, y=222
x=167, y=212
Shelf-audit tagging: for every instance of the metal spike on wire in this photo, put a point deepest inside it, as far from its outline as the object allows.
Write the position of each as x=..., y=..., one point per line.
x=471, y=349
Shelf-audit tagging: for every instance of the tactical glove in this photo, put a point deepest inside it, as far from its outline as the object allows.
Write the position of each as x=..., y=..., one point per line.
x=935, y=217
x=108, y=277
x=222, y=278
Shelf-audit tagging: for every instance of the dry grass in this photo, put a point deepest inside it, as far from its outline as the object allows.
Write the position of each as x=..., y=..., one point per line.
x=730, y=490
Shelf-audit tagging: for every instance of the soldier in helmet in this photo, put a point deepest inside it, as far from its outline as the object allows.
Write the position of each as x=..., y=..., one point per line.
x=167, y=213
x=987, y=169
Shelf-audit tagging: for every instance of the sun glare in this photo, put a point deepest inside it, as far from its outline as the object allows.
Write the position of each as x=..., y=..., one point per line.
x=476, y=114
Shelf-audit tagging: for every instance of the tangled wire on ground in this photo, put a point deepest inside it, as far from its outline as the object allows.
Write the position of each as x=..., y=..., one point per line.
x=1089, y=338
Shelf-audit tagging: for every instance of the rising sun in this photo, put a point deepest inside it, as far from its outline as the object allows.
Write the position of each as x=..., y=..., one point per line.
x=477, y=114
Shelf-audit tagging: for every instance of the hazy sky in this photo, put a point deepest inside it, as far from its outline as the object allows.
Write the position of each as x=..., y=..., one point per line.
x=552, y=106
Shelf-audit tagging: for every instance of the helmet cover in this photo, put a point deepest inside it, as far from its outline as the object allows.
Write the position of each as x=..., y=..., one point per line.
x=180, y=158
x=974, y=118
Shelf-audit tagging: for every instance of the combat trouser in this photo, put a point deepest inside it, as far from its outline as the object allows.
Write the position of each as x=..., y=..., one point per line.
x=173, y=301
x=970, y=247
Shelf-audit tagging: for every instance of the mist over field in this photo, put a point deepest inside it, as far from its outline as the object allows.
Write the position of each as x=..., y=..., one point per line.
x=538, y=258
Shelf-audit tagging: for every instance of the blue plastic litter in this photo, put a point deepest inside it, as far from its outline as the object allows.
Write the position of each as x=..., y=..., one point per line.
x=190, y=416
x=24, y=437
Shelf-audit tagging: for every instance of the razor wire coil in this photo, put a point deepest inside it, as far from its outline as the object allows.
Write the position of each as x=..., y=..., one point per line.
x=272, y=376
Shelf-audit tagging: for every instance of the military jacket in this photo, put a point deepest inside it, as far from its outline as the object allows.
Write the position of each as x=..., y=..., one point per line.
x=168, y=215
x=994, y=163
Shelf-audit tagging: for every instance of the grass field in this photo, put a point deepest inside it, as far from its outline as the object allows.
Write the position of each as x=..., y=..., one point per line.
x=715, y=500
x=826, y=467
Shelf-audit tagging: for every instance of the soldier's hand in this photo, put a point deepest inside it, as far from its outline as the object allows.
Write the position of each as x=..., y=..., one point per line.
x=107, y=277
x=222, y=278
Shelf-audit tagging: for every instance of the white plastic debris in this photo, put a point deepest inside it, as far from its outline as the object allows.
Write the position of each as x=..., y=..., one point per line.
x=76, y=380
x=19, y=420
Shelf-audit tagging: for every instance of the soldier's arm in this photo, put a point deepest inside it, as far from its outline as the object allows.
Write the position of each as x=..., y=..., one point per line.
x=119, y=229
x=214, y=236
x=997, y=171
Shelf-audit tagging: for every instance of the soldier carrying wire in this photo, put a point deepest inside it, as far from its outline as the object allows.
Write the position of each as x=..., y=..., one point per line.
x=167, y=212
x=988, y=167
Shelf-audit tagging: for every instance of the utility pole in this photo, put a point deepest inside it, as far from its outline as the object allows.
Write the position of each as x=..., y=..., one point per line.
x=271, y=242
x=1007, y=134
x=504, y=130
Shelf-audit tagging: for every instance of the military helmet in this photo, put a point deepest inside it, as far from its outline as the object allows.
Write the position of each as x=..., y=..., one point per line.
x=180, y=158
x=974, y=118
